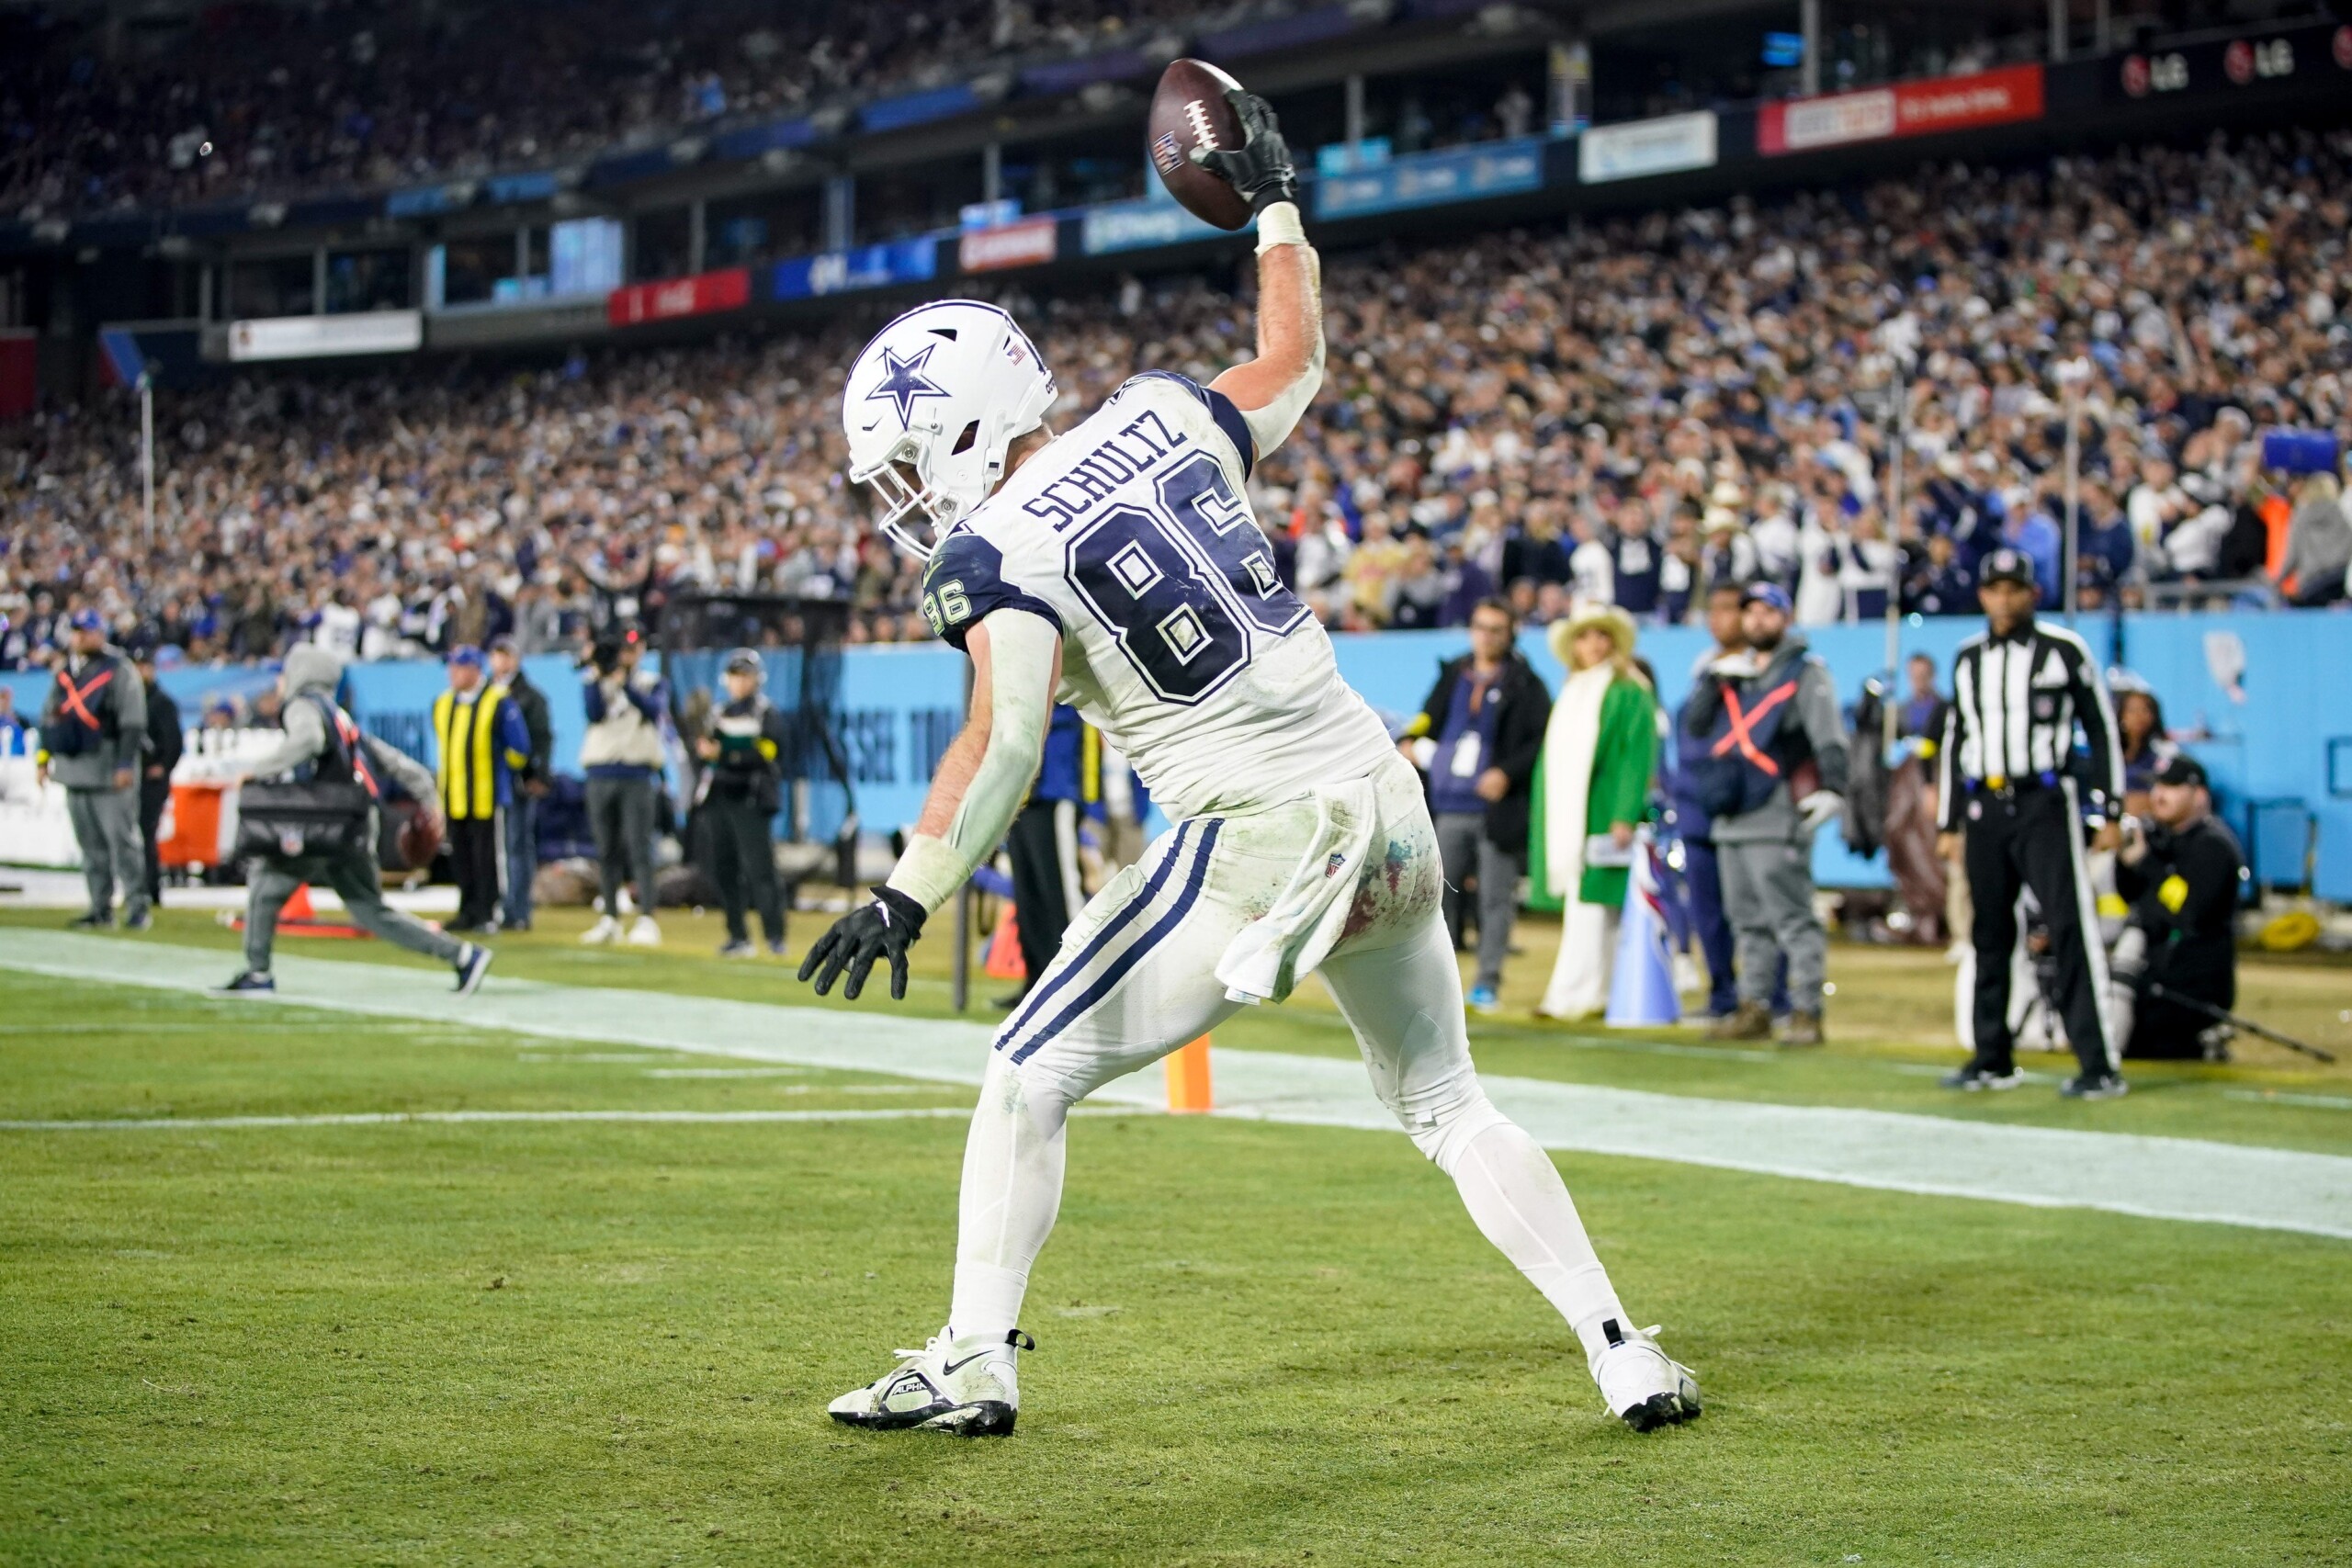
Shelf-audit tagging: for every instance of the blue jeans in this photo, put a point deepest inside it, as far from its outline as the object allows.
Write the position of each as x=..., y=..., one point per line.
x=520, y=823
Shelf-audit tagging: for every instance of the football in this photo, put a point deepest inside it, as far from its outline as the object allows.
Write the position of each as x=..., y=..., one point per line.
x=1189, y=111
x=420, y=840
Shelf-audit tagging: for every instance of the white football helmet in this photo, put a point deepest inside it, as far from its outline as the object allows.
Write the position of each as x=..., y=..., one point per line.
x=943, y=391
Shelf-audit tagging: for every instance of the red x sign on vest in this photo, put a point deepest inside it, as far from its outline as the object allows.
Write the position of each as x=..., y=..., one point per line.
x=73, y=698
x=1743, y=727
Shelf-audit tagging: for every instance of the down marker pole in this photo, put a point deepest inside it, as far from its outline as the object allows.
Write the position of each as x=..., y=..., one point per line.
x=1188, y=1080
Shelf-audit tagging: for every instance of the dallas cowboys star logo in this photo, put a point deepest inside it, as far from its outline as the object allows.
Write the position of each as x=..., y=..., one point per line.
x=905, y=382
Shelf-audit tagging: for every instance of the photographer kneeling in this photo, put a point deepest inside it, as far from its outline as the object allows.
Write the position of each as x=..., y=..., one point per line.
x=2181, y=873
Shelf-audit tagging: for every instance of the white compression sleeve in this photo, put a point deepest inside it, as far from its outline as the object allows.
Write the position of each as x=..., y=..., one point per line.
x=1022, y=648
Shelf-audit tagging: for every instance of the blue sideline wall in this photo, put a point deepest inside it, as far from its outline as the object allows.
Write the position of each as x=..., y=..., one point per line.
x=2267, y=738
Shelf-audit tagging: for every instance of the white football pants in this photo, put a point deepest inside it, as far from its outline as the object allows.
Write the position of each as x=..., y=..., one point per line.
x=1134, y=980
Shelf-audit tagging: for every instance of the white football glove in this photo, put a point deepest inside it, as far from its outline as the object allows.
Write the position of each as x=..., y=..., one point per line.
x=1740, y=666
x=1819, y=809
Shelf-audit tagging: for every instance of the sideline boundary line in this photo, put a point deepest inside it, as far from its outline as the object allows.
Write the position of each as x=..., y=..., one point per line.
x=2146, y=1177
x=408, y=1118
x=413, y=1118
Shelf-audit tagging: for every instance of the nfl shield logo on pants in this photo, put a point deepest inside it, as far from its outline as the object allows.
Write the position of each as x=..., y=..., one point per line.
x=290, y=842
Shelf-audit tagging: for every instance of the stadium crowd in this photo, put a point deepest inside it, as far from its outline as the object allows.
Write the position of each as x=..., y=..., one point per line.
x=1620, y=412
x=266, y=100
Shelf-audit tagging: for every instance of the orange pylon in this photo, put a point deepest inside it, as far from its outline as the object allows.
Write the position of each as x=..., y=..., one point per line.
x=1188, y=1079
x=1002, y=960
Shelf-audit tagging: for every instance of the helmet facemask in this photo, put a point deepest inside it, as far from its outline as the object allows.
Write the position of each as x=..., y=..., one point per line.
x=918, y=501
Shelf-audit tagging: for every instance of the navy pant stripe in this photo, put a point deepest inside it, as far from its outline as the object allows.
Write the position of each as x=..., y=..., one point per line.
x=1109, y=979
x=1049, y=987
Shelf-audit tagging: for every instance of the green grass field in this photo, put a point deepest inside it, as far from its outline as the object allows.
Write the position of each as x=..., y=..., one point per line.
x=593, y=1342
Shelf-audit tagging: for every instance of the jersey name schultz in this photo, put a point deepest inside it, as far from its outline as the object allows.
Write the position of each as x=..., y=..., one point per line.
x=1131, y=534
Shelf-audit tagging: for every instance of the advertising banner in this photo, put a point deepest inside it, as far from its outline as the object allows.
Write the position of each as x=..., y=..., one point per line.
x=1139, y=225
x=1670, y=146
x=914, y=108
x=20, y=371
x=1426, y=180
x=868, y=266
x=2232, y=65
x=531, y=185
x=1027, y=242
x=315, y=337
x=426, y=201
x=1054, y=76
x=674, y=297
x=898, y=708
x=1907, y=109
x=750, y=140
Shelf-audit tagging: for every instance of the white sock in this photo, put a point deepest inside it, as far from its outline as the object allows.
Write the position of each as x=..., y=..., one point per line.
x=1011, y=1192
x=1514, y=1193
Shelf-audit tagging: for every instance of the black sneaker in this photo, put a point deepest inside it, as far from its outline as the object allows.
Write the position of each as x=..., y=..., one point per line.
x=94, y=920
x=1973, y=1080
x=2094, y=1086
x=249, y=981
x=142, y=921
x=471, y=965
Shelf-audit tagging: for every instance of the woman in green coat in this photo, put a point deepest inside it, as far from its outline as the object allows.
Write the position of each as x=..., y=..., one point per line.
x=1593, y=788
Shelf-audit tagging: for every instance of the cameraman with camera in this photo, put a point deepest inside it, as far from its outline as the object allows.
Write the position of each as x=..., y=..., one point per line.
x=621, y=754
x=2183, y=874
x=321, y=827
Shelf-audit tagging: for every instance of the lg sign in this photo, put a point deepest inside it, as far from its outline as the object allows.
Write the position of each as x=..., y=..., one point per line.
x=2144, y=73
x=2244, y=61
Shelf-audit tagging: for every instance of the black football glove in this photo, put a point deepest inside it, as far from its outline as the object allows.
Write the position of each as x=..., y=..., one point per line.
x=884, y=929
x=1260, y=167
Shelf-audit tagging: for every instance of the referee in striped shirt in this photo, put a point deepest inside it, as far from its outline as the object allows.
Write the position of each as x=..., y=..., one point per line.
x=2014, y=798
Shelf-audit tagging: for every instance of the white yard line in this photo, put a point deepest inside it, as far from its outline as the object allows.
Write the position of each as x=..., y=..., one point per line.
x=720, y=1072
x=2173, y=1178
x=2281, y=1096
x=404, y=1118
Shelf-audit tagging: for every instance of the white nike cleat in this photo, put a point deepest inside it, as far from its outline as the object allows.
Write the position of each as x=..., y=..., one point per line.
x=645, y=933
x=605, y=929
x=966, y=1386
x=1643, y=1386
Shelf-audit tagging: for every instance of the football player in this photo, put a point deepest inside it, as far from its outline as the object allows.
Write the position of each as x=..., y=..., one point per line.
x=1117, y=567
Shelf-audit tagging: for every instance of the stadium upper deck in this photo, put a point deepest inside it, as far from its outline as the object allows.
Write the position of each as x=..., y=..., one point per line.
x=1498, y=408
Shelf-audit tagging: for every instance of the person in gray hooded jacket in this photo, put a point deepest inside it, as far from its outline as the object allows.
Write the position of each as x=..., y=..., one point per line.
x=1770, y=717
x=321, y=738
x=92, y=731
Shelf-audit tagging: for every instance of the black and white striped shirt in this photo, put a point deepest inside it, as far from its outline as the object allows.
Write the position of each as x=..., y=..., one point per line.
x=2015, y=701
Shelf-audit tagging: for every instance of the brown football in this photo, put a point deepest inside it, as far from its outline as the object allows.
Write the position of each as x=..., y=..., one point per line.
x=1189, y=111
x=420, y=840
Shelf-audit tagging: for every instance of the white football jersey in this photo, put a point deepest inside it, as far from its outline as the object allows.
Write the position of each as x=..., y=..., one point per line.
x=1132, y=533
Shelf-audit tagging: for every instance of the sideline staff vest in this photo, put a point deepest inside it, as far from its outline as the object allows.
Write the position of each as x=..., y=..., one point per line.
x=467, y=733
x=1731, y=769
